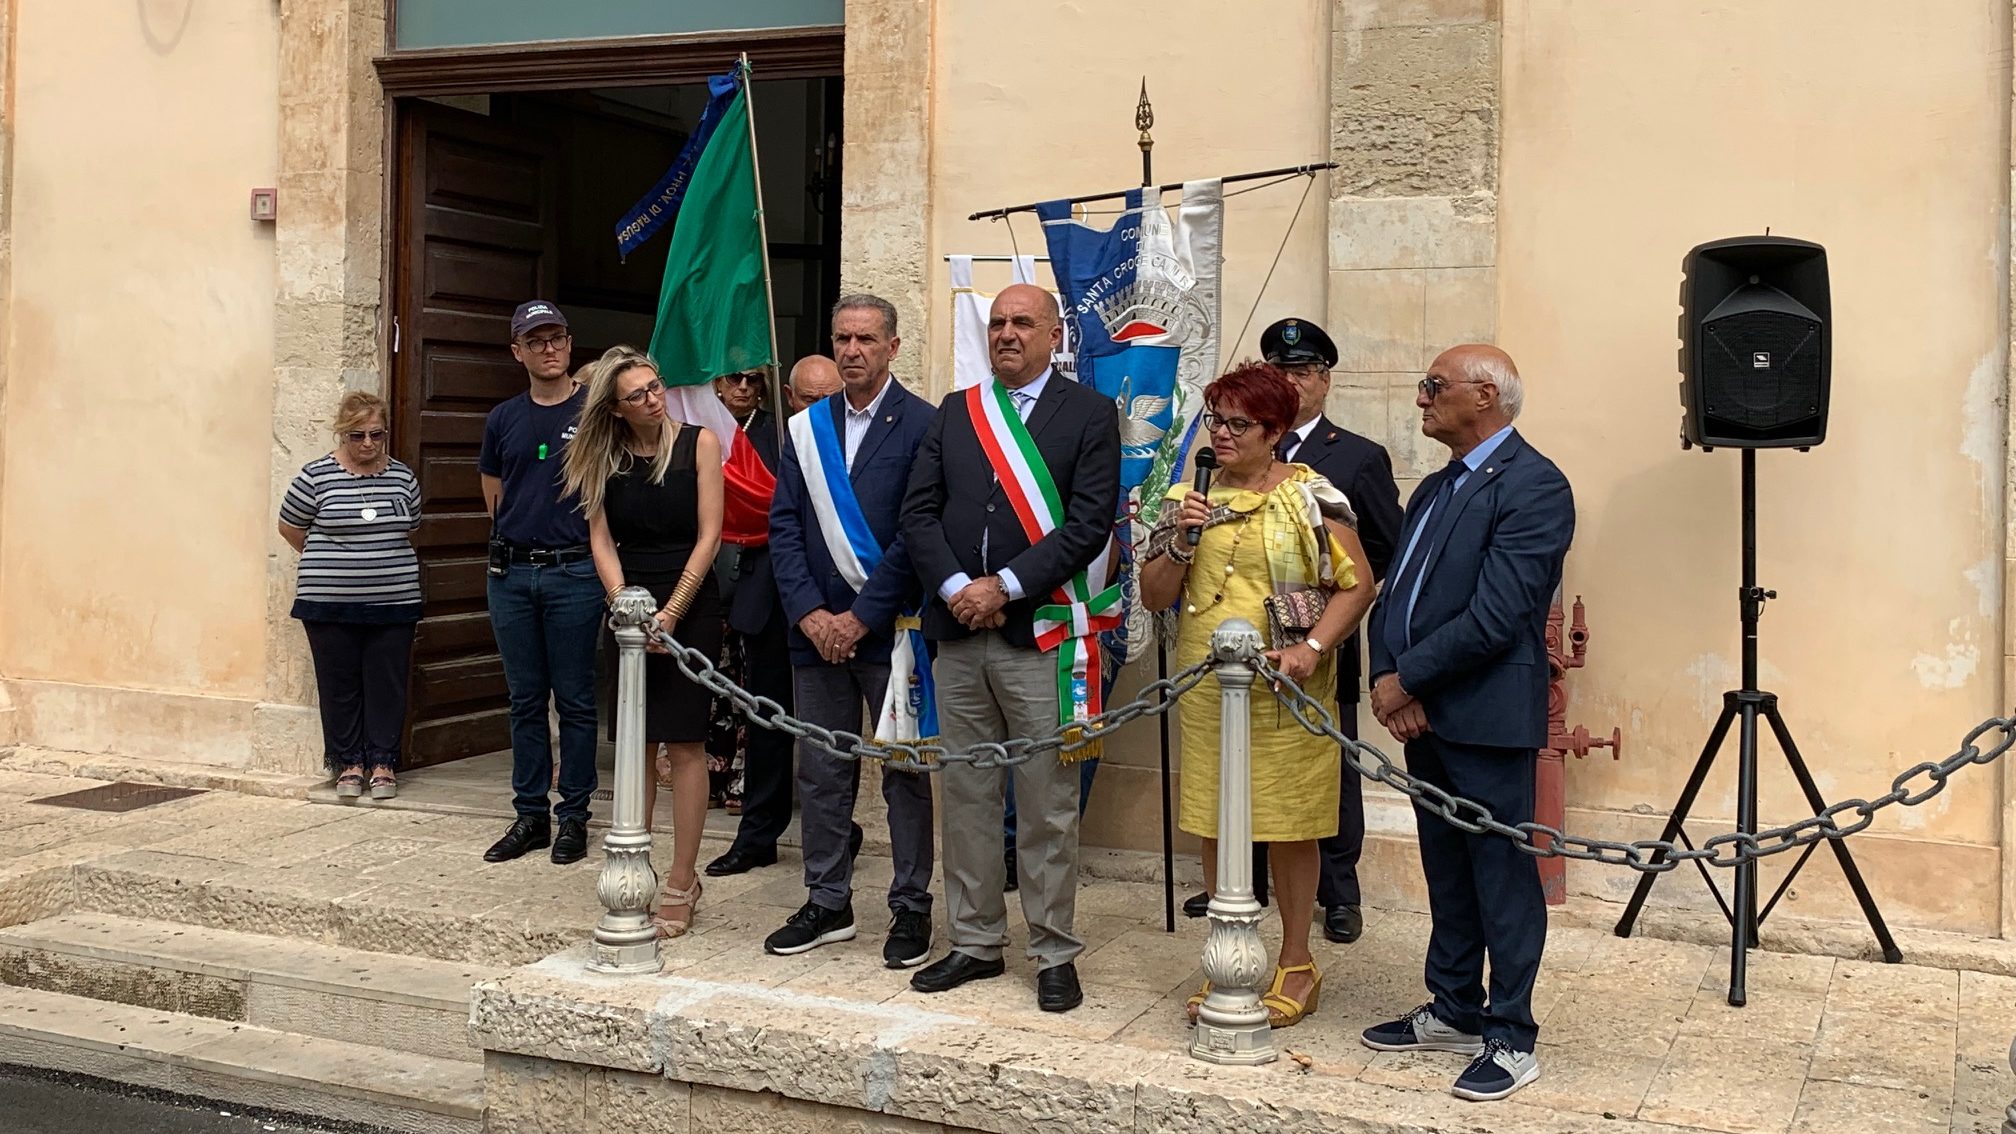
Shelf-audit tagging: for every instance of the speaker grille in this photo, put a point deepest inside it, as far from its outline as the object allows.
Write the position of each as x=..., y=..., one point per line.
x=1762, y=369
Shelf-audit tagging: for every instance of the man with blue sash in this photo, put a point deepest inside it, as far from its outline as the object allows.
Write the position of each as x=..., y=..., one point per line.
x=847, y=585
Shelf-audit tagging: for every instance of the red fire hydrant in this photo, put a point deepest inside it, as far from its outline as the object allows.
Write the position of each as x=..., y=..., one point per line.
x=1564, y=652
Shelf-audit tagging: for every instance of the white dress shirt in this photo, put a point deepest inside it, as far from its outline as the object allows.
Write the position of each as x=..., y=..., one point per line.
x=856, y=422
x=1024, y=397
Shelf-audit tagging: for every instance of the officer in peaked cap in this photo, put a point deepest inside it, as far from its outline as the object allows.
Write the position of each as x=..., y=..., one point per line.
x=1298, y=342
x=1361, y=469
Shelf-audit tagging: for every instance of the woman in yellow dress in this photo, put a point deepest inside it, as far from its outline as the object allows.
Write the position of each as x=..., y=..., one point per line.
x=1268, y=528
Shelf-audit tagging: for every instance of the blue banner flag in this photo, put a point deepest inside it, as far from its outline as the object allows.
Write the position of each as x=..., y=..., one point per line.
x=657, y=208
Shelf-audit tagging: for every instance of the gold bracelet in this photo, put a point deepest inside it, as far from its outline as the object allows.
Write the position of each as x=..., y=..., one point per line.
x=610, y=598
x=681, y=599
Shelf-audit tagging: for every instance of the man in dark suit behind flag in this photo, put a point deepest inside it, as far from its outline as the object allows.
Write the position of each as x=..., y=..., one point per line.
x=1459, y=675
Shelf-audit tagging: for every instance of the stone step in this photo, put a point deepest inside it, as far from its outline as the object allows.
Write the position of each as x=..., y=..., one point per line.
x=315, y=904
x=408, y=1004
x=238, y=1063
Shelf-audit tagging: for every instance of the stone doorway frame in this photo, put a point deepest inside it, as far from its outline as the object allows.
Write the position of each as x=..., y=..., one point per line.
x=333, y=254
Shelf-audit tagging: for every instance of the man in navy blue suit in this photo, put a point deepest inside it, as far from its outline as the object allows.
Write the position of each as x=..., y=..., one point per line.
x=1459, y=675
x=837, y=548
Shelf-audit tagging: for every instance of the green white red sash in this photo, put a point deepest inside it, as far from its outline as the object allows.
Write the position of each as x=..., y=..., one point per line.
x=1086, y=604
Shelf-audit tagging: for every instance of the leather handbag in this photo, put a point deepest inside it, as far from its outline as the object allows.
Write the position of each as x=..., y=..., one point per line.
x=1291, y=616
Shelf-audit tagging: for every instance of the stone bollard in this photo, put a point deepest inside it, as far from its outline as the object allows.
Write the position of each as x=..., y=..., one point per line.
x=1232, y=1023
x=625, y=940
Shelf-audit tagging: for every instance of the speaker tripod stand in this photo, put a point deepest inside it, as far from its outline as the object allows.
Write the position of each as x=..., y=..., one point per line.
x=1743, y=708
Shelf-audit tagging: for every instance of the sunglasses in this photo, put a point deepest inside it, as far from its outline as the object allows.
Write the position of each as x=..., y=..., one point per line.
x=1433, y=386
x=747, y=378
x=359, y=436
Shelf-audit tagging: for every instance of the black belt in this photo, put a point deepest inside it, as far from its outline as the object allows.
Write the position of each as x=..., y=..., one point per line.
x=547, y=555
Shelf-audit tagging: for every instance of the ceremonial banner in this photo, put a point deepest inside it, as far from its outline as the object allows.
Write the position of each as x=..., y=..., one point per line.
x=970, y=307
x=657, y=208
x=1141, y=306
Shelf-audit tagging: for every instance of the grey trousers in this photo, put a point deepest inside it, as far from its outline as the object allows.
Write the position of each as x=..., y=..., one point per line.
x=832, y=696
x=991, y=690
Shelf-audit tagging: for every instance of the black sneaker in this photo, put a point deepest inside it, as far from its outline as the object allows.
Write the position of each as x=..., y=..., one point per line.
x=1496, y=1072
x=1421, y=1030
x=527, y=834
x=909, y=943
x=571, y=844
x=812, y=926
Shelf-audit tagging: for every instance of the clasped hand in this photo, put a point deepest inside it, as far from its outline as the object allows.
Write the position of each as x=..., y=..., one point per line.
x=835, y=636
x=978, y=604
x=1397, y=709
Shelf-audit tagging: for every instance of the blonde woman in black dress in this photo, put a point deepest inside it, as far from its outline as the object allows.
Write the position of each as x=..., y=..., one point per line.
x=651, y=489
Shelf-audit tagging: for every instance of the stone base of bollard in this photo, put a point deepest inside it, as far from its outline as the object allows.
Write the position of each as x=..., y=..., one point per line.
x=1232, y=1023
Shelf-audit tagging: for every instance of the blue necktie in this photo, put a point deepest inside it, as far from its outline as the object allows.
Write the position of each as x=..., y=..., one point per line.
x=1403, y=588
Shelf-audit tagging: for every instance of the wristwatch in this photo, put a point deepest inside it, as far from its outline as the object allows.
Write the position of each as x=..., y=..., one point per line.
x=1003, y=588
x=1315, y=643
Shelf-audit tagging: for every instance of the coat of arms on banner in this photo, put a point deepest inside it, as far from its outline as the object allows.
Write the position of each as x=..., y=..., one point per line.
x=1141, y=305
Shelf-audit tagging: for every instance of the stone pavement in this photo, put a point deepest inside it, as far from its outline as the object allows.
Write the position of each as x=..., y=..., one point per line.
x=1635, y=1032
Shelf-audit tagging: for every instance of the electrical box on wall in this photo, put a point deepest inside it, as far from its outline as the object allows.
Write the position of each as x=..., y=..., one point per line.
x=265, y=204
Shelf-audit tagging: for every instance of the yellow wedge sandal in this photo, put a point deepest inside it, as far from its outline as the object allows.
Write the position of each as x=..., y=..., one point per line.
x=1284, y=1012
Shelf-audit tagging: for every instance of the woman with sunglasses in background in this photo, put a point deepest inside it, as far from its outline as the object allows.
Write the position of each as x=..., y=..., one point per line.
x=1275, y=544
x=350, y=514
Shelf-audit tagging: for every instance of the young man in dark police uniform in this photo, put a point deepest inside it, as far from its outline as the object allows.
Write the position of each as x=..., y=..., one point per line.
x=545, y=602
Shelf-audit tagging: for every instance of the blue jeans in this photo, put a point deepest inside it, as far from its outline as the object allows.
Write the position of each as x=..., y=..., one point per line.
x=547, y=620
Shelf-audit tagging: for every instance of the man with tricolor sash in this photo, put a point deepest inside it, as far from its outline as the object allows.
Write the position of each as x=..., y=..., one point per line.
x=849, y=592
x=1009, y=520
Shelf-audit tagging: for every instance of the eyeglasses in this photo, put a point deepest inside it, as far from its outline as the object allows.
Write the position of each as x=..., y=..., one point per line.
x=359, y=436
x=550, y=345
x=1433, y=386
x=747, y=378
x=1236, y=426
x=1305, y=370
x=652, y=393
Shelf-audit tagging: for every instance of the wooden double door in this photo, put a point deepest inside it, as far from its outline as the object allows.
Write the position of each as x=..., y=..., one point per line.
x=475, y=236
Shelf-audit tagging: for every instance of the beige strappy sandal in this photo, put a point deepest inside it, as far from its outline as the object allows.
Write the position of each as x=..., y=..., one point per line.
x=670, y=895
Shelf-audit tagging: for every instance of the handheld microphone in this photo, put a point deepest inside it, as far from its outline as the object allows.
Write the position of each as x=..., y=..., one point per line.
x=1207, y=460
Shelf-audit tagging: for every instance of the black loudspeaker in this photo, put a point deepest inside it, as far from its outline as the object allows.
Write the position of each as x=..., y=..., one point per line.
x=1755, y=344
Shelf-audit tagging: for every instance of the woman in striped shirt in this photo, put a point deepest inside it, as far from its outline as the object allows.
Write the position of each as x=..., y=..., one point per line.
x=350, y=515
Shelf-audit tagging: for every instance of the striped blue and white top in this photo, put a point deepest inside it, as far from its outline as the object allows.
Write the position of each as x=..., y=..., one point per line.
x=358, y=563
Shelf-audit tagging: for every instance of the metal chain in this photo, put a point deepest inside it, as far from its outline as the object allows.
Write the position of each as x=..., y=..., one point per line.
x=1652, y=856
x=1155, y=699
x=1912, y=787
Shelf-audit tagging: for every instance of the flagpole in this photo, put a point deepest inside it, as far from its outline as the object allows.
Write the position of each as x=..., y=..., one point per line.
x=1144, y=121
x=777, y=406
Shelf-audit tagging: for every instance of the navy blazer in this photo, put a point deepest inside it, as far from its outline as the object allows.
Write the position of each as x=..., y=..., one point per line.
x=1360, y=469
x=1478, y=663
x=955, y=507
x=806, y=576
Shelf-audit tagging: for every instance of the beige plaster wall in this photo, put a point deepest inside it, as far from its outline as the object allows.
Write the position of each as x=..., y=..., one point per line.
x=1635, y=129
x=1031, y=109
x=138, y=346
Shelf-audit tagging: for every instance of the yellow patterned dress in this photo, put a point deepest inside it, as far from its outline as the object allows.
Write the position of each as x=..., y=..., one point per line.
x=1256, y=545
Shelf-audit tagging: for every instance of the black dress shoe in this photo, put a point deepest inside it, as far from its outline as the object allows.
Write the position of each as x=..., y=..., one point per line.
x=1343, y=924
x=738, y=861
x=1013, y=883
x=527, y=834
x=1057, y=988
x=571, y=844
x=954, y=970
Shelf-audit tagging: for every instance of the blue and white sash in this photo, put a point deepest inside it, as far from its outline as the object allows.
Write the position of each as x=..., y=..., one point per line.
x=909, y=711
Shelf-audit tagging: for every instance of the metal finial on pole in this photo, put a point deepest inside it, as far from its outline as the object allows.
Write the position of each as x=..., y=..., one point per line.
x=1144, y=120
